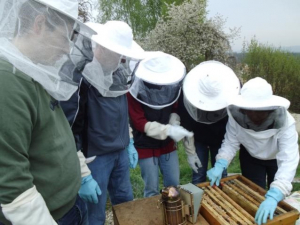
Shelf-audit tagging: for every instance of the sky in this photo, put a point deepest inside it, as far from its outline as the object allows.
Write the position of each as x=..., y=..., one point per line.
x=272, y=22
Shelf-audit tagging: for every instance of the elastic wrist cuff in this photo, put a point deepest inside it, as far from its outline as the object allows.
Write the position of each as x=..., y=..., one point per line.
x=86, y=179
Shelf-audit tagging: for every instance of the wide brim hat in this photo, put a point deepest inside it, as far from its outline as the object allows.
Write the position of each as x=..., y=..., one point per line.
x=210, y=85
x=257, y=94
x=117, y=36
x=160, y=68
x=68, y=8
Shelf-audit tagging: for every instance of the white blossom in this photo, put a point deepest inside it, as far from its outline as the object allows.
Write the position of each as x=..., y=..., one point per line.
x=187, y=34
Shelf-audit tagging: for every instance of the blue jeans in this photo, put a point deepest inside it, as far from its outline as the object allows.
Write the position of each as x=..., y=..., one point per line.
x=77, y=215
x=169, y=167
x=111, y=171
x=203, y=153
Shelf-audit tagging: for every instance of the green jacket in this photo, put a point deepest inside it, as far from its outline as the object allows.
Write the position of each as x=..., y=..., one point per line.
x=36, y=144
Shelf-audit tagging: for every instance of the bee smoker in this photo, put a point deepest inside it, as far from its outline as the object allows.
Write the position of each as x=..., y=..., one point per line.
x=172, y=206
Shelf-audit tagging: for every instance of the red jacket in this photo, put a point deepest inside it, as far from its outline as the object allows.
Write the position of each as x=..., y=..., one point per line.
x=138, y=120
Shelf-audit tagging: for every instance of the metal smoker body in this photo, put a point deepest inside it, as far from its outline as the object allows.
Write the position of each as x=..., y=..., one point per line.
x=172, y=206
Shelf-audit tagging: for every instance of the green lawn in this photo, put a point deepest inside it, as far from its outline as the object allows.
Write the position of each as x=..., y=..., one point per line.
x=185, y=173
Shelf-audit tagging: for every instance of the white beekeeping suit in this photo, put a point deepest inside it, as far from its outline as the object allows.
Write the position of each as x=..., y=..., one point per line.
x=271, y=136
x=260, y=122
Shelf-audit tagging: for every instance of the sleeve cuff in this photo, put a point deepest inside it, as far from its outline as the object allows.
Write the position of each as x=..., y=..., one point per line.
x=85, y=171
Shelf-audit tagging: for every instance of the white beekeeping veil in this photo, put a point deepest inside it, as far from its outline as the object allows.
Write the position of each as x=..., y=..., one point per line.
x=39, y=37
x=117, y=53
x=207, y=89
x=256, y=108
x=158, y=80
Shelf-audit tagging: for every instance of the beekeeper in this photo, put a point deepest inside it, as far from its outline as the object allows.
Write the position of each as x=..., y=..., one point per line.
x=152, y=103
x=260, y=122
x=98, y=115
x=202, y=108
x=40, y=172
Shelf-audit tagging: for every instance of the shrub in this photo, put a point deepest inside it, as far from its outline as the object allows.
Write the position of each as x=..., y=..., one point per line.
x=280, y=68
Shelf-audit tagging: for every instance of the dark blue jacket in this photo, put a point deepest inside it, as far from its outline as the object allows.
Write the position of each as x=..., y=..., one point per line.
x=99, y=124
x=208, y=134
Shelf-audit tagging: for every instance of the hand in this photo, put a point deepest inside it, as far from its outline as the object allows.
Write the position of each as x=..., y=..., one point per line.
x=268, y=206
x=178, y=132
x=215, y=173
x=89, y=190
x=132, y=154
x=194, y=162
x=265, y=210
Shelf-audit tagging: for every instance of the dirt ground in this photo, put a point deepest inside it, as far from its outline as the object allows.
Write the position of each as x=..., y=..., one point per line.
x=109, y=217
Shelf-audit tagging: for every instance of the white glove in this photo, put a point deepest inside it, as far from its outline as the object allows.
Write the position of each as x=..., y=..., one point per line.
x=190, y=150
x=174, y=119
x=178, y=132
x=28, y=208
x=189, y=145
x=161, y=132
x=156, y=130
x=194, y=162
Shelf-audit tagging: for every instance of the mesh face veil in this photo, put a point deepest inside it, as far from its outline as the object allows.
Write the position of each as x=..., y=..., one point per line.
x=117, y=55
x=123, y=76
x=115, y=72
x=157, y=95
x=41, y=38
x=259, y=119
x=202, y=116
x=257, y=109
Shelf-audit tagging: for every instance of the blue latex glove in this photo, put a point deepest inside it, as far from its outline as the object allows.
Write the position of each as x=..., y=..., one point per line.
x=215, y=173
x=132, y=154
x=268, y=206
x=89, y=190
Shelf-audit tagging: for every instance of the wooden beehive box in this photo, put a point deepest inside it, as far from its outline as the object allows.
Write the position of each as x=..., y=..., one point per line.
x=236, y=202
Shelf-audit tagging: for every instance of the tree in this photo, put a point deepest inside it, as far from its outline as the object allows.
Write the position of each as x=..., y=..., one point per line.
x=186, y=33
x=280, y=68
x=85, y=7
x=140, y=15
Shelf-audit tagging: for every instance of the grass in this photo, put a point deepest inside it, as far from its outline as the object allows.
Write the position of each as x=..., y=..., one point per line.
x=186, y=173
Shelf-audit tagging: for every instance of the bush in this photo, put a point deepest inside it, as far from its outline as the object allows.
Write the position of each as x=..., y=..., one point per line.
x=281, y=69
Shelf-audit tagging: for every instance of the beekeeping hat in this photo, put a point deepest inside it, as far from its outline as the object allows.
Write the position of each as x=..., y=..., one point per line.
x=42, y=53
x=118, y=54
x=257, y=94
x=158, y=80
x=65, y=7
x=207, y=88
x=256, y=108
x=161, y=68
x=117, y=36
